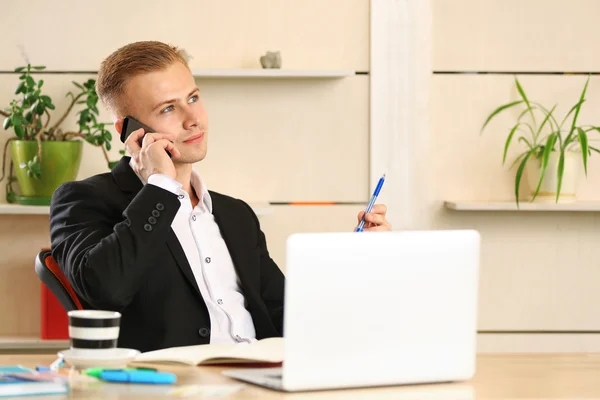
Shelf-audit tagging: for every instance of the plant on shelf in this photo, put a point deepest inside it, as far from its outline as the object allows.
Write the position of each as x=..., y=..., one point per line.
x=43, y=154
x=553, y=151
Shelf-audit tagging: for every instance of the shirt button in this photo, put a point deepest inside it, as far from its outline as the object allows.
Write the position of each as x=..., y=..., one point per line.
x=220, y=301
x=147, y=227
x=207, y=260
x=203, y=332
x=238, y=337
x=160, y=206
x=155, y=213
x=193, y=217
x=181, y=196
x=152, y=220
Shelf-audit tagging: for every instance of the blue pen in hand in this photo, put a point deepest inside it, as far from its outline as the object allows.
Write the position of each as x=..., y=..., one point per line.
x=361, y=225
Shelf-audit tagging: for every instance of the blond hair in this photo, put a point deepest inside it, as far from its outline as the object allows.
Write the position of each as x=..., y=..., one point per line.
x=132, y=60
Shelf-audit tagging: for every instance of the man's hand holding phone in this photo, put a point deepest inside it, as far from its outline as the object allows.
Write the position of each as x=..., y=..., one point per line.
x=151, y=157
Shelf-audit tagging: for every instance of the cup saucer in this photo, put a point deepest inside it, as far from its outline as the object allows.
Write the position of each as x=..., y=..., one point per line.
x=113, y=358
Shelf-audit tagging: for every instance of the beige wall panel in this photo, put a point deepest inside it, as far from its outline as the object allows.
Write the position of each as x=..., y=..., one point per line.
x=21, y=238
x=282, y=221
x=500, y=35
x=288, y=140
x=539, y=270
x=270, y=140
x=78, y=35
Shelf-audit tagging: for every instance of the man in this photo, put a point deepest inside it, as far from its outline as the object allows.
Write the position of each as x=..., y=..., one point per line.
x=183, y=265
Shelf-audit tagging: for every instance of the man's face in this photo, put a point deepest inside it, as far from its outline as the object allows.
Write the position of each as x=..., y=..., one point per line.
x=168, y=101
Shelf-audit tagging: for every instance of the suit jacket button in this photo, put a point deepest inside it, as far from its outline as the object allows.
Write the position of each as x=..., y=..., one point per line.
x=152, y=220
x=159, y=206
x=155, y=213
x=147, y=227
x=203, y=332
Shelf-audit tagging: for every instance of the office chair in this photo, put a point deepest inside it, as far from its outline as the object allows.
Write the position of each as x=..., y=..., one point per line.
x=51, y=275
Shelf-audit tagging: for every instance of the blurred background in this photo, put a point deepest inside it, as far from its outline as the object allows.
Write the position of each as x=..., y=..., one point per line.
x=364, y=88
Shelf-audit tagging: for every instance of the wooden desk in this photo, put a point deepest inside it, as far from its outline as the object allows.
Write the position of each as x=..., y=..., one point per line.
x=525, y=376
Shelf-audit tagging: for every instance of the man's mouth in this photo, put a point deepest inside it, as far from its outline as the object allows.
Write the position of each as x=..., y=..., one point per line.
x=195, y=139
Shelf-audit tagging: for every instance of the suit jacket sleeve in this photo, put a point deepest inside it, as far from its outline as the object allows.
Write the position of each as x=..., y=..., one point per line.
x=102, y=250
x=272, y=280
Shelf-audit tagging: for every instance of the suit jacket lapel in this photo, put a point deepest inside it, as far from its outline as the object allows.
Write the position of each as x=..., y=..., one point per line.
x=130, y=184
x=181, y=259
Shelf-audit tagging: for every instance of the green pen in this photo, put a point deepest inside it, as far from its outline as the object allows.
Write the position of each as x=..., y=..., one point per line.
x=95, y=372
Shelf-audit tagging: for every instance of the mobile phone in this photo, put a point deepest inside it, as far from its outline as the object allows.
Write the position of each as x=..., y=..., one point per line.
x=130, y=125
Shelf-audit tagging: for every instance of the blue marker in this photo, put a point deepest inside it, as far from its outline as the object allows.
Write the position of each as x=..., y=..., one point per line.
x=371, y=203
x=138, y=376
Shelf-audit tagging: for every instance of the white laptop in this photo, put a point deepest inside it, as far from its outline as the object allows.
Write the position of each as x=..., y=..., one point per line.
x=374, y=309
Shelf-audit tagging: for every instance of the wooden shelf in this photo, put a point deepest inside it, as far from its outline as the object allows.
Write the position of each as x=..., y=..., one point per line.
x=579, y=206
x=31, y=343
x=17, y=209
x=271, y=73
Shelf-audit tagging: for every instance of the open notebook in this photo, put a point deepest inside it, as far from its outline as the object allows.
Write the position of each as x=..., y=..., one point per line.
x=262, y=351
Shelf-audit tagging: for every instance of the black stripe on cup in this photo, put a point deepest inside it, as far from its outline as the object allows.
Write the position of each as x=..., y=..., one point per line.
x=93, y=344
x=93, y=322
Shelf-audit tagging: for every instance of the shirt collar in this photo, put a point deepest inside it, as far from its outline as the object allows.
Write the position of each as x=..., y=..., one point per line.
x=201, y=191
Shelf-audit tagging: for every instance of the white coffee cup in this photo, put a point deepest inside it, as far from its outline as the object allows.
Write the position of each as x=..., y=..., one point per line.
x=93, y=331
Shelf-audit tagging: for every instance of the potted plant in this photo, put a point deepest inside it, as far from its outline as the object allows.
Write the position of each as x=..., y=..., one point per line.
x=43, y=155
x=554, y=152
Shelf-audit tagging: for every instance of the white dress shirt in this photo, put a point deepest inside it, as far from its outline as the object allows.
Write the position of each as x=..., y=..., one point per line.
x=210, y=261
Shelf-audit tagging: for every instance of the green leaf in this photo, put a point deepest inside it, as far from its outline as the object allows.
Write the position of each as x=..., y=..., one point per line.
x=107, y=135
x=20, y=87
x=520, y=174
x=29, y=117
x=40, y=108
x=576, y=108
x=525, y=99
x=83, y=117
x=40, y=83
x=583, y=141
x=19, y=69
x=17, y=119
x=515, y=162
x=30, y=81
x=545, y=120
x=561, y=170
x=545, y=159
x=508, y=140
x=499, y=110
x=11, y=197
x=541, y=107
x=108, y=146
x=522, y=139
x=19, y=131
x=78, y=85
x=581, y=100
x=112, y=164
x=39, y=68
x=46, y=99
x=7, y=123
x=50, y=106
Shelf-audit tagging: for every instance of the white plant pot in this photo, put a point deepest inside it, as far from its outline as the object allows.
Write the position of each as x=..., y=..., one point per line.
x=570, y=181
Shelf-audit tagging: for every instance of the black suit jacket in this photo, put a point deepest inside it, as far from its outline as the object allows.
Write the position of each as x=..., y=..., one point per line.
x=112, y=238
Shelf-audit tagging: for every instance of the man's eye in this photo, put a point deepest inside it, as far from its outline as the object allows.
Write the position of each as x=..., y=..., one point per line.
x=193, y=99
x=166, y=110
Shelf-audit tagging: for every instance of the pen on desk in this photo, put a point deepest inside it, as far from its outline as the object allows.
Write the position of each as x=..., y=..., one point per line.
x=361, y=225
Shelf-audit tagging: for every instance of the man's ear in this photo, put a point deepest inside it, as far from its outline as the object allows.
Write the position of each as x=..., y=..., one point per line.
x=119, y=125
